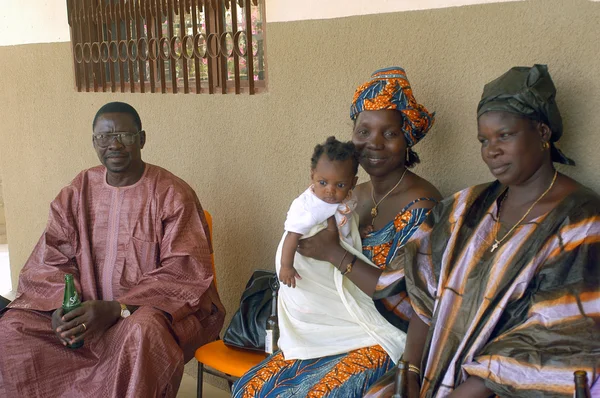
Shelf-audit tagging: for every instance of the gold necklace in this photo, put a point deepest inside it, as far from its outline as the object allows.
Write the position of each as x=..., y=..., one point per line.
x=374, y=211
x=497, y=224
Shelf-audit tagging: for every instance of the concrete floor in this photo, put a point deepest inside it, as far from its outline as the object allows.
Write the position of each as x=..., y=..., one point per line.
x=187, y=389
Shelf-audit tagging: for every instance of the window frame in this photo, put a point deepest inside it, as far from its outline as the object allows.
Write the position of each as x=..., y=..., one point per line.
x=110, y=39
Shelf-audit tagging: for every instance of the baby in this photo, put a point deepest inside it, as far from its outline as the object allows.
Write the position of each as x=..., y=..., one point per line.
x=325, y=314
x=333, y=173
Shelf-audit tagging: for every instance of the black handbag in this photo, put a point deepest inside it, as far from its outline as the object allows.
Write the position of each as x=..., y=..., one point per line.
x=247, y=327
x=3, y=303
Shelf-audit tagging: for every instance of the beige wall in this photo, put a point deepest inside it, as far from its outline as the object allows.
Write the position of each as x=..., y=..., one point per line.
x=2, y=217
x=248, y=157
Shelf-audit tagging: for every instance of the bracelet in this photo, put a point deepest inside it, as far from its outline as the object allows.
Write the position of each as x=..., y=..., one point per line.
x=414, y=369
x=349, y=266
x=345, y=254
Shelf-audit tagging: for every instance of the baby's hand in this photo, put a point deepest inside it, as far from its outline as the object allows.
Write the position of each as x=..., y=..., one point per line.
x=288, y=276
x=365, y=231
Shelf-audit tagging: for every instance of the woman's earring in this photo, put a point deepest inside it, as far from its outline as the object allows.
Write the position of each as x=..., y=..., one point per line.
x=545, y=146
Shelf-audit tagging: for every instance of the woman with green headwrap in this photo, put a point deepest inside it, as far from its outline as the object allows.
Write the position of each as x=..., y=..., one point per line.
x=504, y=277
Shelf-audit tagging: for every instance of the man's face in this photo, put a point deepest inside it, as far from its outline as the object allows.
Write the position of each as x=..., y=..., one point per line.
x=116, y=156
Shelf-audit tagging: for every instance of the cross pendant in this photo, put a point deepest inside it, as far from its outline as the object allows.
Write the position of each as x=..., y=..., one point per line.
x=494, y=246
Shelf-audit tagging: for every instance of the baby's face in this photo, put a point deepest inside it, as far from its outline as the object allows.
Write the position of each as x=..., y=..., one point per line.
x=333, y=179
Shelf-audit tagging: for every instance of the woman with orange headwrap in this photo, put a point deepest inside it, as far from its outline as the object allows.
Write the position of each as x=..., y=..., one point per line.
x=388, y=122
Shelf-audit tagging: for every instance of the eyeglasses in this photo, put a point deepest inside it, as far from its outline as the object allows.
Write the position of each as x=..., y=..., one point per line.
x=105, y=139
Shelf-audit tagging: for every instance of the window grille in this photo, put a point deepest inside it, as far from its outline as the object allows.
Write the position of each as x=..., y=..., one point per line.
x=177, y=46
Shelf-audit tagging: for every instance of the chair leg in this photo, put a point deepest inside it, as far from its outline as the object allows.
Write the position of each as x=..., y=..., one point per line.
x=200, y=380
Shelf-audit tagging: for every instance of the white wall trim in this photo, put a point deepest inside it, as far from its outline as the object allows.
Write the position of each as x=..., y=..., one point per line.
x=33, y=21
x=45, y=21
x=287, y=10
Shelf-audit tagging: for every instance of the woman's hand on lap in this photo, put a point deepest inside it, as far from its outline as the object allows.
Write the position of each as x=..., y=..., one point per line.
x=414, y=386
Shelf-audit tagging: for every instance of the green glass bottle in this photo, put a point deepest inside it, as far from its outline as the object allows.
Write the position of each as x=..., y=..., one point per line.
x=71, y=301
x=272, y=328
x=401, y=384
x=582, y=389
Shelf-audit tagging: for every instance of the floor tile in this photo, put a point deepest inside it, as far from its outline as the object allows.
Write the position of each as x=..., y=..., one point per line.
x=188, y=389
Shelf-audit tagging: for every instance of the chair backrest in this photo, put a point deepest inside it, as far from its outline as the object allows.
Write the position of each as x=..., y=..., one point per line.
x=212, y=255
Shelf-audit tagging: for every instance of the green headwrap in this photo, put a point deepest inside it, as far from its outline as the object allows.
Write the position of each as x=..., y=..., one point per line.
x=528, y=92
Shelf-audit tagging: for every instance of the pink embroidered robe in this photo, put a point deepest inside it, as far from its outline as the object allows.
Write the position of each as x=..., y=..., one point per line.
x=144, y=245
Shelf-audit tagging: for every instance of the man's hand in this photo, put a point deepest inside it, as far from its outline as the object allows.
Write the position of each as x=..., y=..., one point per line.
x=94, y=317
x=58, y=322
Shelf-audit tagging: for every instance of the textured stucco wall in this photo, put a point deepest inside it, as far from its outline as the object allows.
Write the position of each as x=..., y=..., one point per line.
x=2, y=217
x=248, y=157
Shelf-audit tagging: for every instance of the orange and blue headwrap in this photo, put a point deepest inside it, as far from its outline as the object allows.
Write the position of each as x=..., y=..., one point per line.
x=389, y=89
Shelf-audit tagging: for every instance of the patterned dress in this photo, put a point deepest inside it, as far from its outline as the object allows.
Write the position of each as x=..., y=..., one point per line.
x=345, y=375
x=524, y=317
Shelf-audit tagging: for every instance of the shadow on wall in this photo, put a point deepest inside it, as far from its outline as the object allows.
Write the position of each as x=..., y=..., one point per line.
x=5, y=280
x=2, y=218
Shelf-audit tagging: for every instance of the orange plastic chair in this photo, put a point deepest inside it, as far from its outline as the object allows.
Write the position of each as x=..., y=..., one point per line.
x=218, y=359
x=212, y=255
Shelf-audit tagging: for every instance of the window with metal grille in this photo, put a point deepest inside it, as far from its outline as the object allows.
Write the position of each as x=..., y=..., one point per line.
x=177, y=46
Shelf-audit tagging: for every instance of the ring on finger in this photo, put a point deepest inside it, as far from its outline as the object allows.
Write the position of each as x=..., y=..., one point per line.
x=84, y=327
